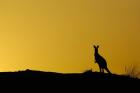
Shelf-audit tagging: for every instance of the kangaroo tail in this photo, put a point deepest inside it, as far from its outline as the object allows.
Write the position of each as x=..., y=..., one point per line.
x=107, y=70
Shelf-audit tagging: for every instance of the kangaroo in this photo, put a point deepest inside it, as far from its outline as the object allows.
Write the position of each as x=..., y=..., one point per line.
x=100, y=61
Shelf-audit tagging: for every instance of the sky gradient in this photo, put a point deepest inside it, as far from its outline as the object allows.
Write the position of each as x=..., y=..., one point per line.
x=57, y=35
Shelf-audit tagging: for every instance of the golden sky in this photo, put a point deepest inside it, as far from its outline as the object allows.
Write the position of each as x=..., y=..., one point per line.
x=57, y=35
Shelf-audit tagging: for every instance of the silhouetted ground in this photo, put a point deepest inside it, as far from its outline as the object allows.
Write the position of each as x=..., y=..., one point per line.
x=49, y=80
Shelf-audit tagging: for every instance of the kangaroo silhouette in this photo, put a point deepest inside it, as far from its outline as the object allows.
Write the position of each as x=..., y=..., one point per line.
x=100, y=60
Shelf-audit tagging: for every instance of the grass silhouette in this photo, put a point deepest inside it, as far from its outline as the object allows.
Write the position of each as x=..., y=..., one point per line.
x=132, y=71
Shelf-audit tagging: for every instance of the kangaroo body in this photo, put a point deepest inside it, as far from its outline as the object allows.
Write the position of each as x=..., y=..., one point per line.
x=100, y=61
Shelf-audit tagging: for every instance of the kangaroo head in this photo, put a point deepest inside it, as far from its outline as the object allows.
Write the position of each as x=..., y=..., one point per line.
x=96, y=48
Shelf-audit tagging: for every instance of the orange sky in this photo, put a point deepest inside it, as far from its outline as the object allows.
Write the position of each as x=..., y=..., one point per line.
x=57, y=35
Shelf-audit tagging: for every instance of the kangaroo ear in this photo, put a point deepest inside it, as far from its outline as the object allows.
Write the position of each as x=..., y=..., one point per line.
x=94, y=46
x=97, y=46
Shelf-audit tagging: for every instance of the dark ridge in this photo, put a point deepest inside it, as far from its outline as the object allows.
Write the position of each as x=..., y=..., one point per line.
x=35, y=79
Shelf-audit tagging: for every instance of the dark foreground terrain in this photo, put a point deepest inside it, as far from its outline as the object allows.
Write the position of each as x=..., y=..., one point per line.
x=30, y=79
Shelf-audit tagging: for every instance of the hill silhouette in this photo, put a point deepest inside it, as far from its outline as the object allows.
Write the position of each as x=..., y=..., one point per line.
x=36, y=79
